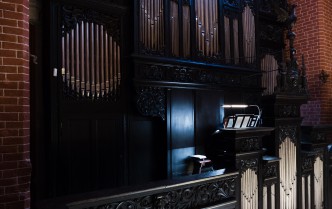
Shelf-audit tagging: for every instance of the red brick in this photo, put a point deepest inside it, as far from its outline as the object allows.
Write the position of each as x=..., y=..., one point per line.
x=14, y=141
x=10, y=198
x=16, y=205
x=12, y=157
x=15, y=77
x=8, y=165
x=13, y=61
x=7, y=6
x=10, y=173
x=9, y=132
x=13, y=15
x=8, y=116
x=8, y=85
x=8, y=69
x=8, y=22
x=19, y=124
x=8, y=53
x=8, y=149
x=8, y=100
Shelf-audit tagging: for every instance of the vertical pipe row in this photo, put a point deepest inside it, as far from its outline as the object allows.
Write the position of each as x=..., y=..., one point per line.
x=236, y=41
x=174, y=28
x=151, y=24
x=207, y=27
x=318, y=183
x=249, y=190
x=91, y=61
x=269, y=79
x=288, y=179
x=227, y=40
x=265, y=197
x=249, y=47
x=273, y=192
x=186, y=31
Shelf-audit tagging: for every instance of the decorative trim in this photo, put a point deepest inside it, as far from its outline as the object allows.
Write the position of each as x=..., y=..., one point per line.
x=232, y=3
x=249, y=144
x=186, y=74
x=270, y=170
x=287, y=131
x=318, y=136
x=147, y=51
x=249, y=163
x=72, y=15
x=307, y=163
x=189, y=197
x=289, y=111
x=151, y=101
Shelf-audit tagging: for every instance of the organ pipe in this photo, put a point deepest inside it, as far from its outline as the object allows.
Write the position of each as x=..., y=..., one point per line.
x=175, y=28
x=152, y=23
x=319, y=183
x=186, y=30
x=207, y=26
x=249, y=48
x=249, y=190
x=269, y=66
x=91, y=61
x=288, y=172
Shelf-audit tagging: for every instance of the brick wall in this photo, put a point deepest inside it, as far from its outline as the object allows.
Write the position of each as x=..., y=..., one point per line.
x=15, y=165
x=313, y=29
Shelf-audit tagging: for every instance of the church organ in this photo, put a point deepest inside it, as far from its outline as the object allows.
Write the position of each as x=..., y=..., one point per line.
x=162, y=88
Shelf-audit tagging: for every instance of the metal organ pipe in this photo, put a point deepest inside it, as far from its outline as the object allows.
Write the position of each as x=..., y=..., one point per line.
x=152, y=24
x=249, y=190
x=288, y=179
x=269, y=66
x=249, y=47
x=206, y=26
x=318, y=183
x=90, y=61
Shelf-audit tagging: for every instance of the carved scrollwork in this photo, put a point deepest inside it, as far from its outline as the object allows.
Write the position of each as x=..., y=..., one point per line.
x=249, y=163
x=193, y=75
x=72, y=15
x=307, y=163
x=270, y=170
x=318, y=136
x=151, y=101
x=147, y=51
x=232, y=3
x=182, y=75
x=271, y=33
x=287, y=131
x=190, y=197
x=249, y=144
x=289, y=111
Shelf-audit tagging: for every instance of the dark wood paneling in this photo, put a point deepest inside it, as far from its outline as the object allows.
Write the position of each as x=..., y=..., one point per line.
x=208, y=116
x=110, y=153
x=181, y=131
x=147, y=150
